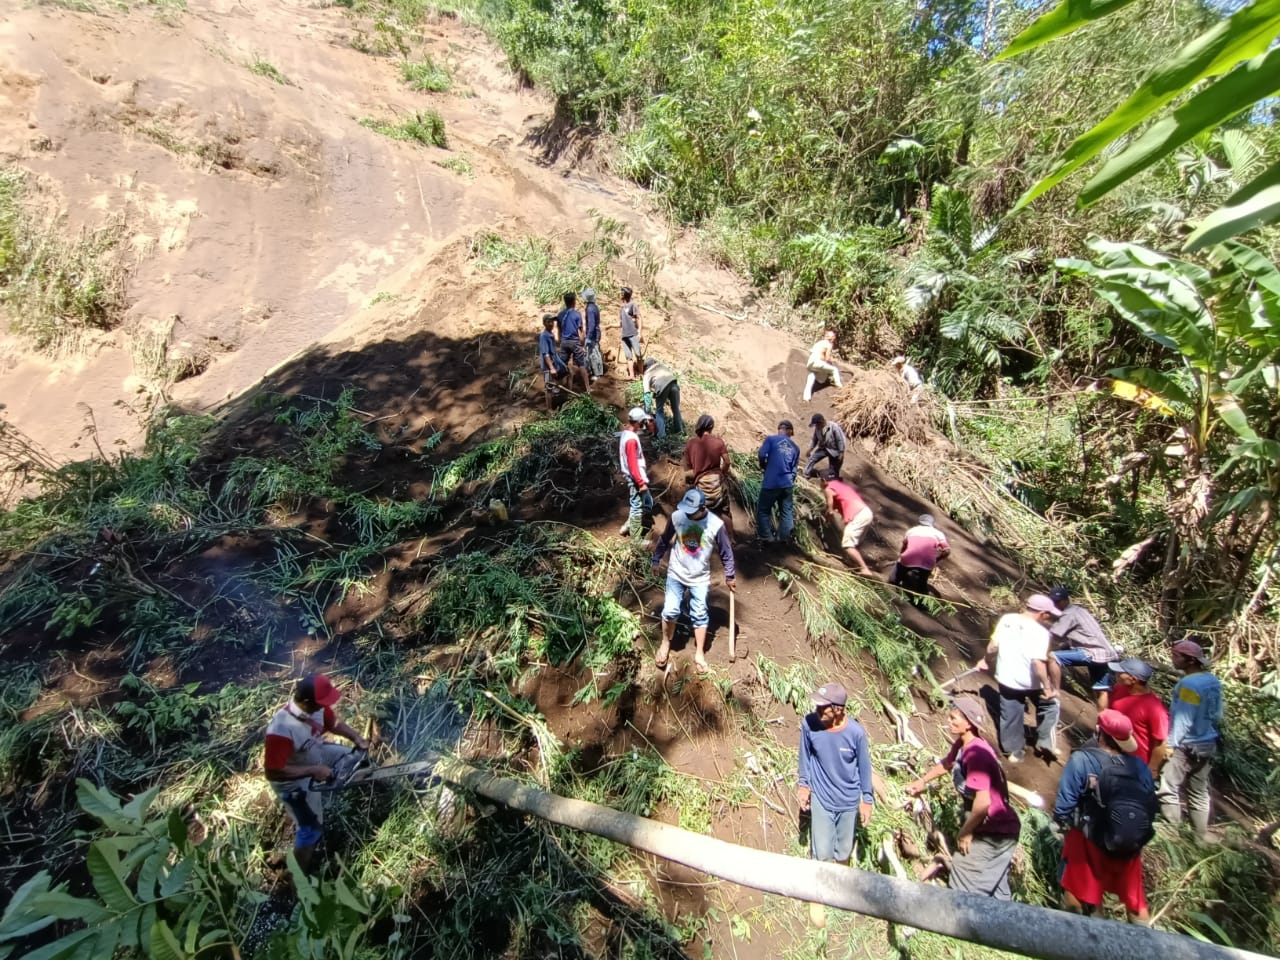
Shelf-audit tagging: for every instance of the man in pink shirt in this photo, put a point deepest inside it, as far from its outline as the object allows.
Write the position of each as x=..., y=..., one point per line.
x=922, y=547
x=845, y=505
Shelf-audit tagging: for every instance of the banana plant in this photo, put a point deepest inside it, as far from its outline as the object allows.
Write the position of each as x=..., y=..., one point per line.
x=1221, y=327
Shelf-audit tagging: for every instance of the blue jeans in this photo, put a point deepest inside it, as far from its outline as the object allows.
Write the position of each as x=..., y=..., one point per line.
x=1099, y=675
x=641, y=503
x=672, y=394
x=675, y=599
x=831, y=834
x=783, y=497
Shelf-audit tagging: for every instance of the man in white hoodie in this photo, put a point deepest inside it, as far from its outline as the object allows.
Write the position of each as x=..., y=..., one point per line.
x=690, y=535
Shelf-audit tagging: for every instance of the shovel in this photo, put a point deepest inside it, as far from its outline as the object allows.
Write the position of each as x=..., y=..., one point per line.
x=732, y=616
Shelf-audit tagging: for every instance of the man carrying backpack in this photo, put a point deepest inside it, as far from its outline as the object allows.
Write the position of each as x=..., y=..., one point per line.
x=1107, y=804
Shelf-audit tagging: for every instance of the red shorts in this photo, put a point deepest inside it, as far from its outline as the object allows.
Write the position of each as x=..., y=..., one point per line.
x=1088, y=873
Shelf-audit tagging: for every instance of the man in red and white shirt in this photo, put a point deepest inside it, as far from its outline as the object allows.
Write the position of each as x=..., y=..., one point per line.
x=631, y=463
x=922, y=547
x=298, y=755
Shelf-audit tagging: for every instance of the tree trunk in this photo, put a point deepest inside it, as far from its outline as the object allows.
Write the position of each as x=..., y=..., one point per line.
x=1021, y=928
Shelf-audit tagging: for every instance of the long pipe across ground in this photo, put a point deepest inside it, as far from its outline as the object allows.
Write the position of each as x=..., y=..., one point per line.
x=1018, y=927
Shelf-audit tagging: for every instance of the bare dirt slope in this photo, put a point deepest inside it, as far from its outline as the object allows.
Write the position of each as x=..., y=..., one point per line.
x=263, y=221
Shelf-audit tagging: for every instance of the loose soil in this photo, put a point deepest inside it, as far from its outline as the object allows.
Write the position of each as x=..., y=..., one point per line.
x=264, y=222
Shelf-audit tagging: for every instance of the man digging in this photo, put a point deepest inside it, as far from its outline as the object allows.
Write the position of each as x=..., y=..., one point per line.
x=690, y=536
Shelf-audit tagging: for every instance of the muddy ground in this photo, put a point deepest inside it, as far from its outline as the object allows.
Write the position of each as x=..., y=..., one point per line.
x=265, y=262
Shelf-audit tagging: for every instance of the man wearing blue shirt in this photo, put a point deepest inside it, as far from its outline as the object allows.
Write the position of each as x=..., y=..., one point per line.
x=570, y=321
x=834, y=783
x=1195, y=710
x=591, y=310
x=779, y=457
x=548, y=362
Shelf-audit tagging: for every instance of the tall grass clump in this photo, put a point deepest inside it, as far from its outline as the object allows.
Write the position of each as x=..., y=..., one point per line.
x=426, y=75
x=425, y=127
x=54, y=287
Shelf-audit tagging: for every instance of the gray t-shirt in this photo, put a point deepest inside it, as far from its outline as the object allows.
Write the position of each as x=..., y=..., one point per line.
x=1077, y=628
x=627, y=316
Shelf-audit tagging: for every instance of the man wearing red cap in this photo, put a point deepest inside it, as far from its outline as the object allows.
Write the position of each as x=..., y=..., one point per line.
x=298, y=755
x=1106, y=802
x=1196, y=708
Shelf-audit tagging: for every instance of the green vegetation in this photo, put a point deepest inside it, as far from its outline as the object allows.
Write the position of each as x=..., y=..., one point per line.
x=425, y=127
x=426, y=75
x=263, y=68
x=458, y=165
x=55, y=289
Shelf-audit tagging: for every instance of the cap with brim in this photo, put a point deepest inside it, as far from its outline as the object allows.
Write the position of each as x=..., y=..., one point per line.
x=318, y=689
x=830, y=694
x=785, y=425
x=898, y=360
x=816, y=419
x=1059, y=595
x=1140, y=670
x=692, y=501
x=1119, y=728
x=925, y=520
x=1039, y=603
x=830, y=475
x=1189, y=648
x=971, y=710
x=637, y=415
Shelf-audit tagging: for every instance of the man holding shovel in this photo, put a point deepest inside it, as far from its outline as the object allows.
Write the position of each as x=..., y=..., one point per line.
x=690, y=536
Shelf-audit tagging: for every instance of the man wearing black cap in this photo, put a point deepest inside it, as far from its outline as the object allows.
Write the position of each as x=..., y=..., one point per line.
x=696, y=531
x=829, y=443
x=834, y=782
x=298, y=755
x=1079, y=641
x=779, y=457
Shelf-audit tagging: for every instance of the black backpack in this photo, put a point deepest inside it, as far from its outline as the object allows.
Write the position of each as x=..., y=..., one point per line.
x=1119, y=808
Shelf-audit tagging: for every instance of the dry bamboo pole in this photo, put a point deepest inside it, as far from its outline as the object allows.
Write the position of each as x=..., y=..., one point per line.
x=1018, y=927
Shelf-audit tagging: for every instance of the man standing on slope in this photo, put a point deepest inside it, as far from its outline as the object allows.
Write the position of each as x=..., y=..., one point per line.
x=779, y=457
x=660, y=388
x=1193, y=737
x=1081, y=643
x=829, y=443
x=988, y=835
x=1145, y=711
x=570, y=321
x=922, y=547
x=631, y=463
x=846, y=505
x=706, y=458
x=297, y=756
x=694, y=530
x=629, y=319
x=548, y=362
x=1106, y=803
x=1020, y=646
x=595, y=361
x=834, y=782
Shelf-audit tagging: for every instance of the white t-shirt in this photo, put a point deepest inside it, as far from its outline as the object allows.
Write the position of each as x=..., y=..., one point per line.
x=1020, y=641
